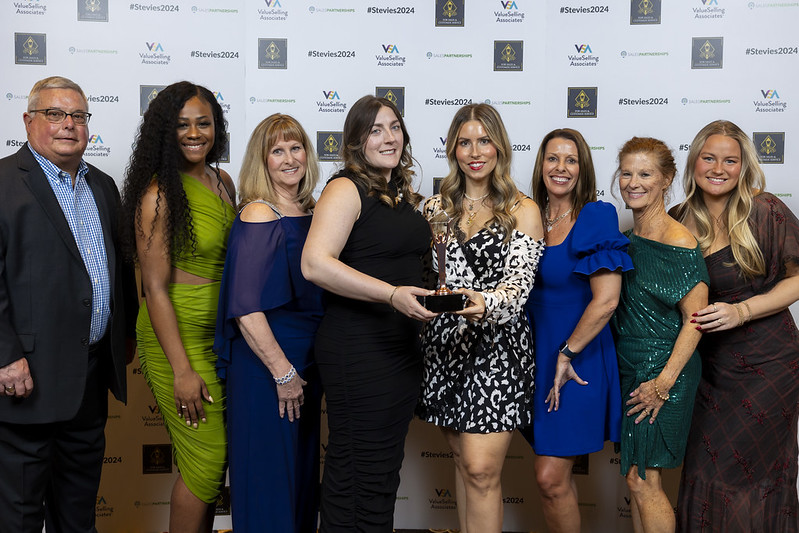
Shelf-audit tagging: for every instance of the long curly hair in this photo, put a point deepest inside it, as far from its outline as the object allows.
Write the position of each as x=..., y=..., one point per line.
x=751, y=182
x=584, y=191
x=157, y=159
x=255, y=183
x=502, y=188
x=357, y=126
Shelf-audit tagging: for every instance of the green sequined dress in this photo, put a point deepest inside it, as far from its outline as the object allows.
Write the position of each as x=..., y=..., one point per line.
x=646, y=324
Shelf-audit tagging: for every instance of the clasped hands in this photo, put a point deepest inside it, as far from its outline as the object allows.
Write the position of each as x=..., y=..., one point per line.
x=16, y=380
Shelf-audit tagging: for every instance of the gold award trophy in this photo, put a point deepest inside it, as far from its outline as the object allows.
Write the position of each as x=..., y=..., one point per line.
x=444, y=299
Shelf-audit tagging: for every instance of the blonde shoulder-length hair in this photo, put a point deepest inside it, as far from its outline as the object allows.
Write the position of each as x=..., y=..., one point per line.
x=254, y=180
x=502, y=189
x=751, y=182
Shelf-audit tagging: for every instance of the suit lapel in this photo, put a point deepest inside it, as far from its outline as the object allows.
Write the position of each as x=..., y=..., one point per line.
x=37, y=182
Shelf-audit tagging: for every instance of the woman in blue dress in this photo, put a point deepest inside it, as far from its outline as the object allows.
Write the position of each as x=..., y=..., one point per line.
x=577, y=399
x=267, y=321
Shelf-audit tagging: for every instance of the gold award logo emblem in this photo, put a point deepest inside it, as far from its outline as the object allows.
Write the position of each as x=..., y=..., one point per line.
x=272, y=51
x=582, y=101
x=768, y=146
x=93, y=5
x=706, y=51
x=508, y=54
x=391, y=97
x=331, y=145
x=450, y=10
x=30, y=47
x=646, y=7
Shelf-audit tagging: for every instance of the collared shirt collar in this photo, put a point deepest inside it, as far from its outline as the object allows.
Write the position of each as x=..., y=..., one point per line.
x=54, y=173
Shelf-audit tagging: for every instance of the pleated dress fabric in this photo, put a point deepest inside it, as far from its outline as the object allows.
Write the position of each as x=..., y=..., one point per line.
x=200, y=454
x=370, y=364
x=647, y=323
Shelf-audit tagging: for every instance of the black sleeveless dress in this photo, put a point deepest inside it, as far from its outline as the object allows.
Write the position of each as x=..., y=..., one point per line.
x=370, y=365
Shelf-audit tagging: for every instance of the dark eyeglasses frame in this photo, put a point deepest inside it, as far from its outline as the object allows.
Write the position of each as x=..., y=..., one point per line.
x=75, y=118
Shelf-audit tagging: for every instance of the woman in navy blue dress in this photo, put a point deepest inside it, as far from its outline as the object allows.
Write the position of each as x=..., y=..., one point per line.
x=267, y=321
x=577, y=399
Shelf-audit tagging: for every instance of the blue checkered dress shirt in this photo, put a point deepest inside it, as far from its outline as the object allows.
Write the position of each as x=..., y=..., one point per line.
x=81, y=213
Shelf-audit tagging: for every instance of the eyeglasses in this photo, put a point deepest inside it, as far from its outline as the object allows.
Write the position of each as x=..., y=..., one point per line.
x=57, y=116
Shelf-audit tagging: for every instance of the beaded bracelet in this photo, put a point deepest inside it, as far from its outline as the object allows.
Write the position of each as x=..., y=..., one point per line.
x=287, y=378
x=660, y=396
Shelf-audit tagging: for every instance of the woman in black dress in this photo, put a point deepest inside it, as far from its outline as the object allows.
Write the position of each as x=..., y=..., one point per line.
x=365, y=248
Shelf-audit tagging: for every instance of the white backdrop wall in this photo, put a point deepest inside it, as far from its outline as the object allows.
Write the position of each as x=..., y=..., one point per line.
x=609, y=68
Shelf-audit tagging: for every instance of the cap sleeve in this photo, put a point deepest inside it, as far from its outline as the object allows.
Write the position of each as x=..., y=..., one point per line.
x=597, y=242
x=776, y=230
x=257, y=277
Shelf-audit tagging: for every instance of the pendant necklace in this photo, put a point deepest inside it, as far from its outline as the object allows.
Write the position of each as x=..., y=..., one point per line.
x=552, y=222
x=470, y=216
x=472, y=201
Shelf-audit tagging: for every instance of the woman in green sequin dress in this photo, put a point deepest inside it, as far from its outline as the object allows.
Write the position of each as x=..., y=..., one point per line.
x=656, y=339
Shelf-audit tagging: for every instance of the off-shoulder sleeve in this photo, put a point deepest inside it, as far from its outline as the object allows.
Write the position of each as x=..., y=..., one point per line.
x=597, y=241
x=507, y=300
x=776, y=230
x=256, y=277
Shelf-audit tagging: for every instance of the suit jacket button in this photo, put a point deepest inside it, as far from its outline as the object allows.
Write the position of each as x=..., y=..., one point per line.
x=86, y=302
x=84, y=341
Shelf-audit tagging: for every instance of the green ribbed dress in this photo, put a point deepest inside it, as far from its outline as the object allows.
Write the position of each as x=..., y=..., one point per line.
x=646, y=324
x=200, y=454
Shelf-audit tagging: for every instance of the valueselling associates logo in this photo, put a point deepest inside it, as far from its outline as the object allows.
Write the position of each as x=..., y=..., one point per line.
x=581, y=102
x=583, y=56
x=509, y=55
x=770, y=146
x=769, y=102
x=156, y=458
x=443, y=499
x=30, y=8
x=450, y=13
x=509, y=12
x=331, y=103
x=439, y=152
x=328, y=145
x=707, y=52
x=154, y=54
x=273, y=11
x=152, y=417
x=272, y=53
x=93, y=10
x=103, y=509
x=389, y=56
x=645, y=11
x=147, y=94
x=395, y=95
x=96, y=147
x=30, y=48
x=708, y=9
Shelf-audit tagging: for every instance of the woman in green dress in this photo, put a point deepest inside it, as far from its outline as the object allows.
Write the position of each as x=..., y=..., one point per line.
x=656, y=333
x=178, y=212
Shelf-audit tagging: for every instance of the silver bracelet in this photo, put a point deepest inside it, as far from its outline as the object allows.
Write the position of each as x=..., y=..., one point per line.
x=287, y=378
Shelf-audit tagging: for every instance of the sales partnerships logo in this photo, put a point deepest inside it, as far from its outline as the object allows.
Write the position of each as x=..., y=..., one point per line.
x=395, y=95
x=30, y=48
x=328, y=145
x=770, y=146
x=707, y=52
x=508, y=55
x=272, y=53
x=645, y=11
x=93, y=10
x=450, y=13
x=147, y=94
x=581, y=102
x=274, y=11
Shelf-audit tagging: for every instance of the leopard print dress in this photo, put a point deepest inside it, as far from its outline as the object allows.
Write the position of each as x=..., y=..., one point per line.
x=478, y=377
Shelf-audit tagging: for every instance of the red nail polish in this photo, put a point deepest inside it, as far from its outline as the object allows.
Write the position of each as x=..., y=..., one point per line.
x=695, y=314
x=693, y=321
x=698, y=328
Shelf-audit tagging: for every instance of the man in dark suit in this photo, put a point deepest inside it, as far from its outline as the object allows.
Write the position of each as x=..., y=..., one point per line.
x=67, y=307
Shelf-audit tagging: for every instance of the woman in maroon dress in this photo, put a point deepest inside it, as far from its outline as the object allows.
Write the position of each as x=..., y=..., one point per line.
x=741, y=462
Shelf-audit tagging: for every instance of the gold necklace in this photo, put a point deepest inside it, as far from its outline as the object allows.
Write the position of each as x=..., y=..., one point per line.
x=551, y=223
x=473, y=200
x=470, y=216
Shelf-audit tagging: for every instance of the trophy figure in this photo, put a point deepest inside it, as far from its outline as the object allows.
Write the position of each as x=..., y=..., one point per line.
x=444, y=299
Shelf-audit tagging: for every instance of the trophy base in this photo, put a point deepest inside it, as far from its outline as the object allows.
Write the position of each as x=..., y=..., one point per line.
x=443, y=303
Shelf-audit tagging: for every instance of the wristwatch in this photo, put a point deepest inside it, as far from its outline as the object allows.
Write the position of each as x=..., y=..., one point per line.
x=564, y=349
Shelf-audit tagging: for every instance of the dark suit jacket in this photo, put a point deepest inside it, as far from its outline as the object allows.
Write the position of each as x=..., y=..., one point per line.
x=45, y=293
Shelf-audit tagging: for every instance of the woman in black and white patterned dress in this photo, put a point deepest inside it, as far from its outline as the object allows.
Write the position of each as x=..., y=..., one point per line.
x=478, y=369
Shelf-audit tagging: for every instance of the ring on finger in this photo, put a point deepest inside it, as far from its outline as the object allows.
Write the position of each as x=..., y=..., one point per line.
x=715, y=309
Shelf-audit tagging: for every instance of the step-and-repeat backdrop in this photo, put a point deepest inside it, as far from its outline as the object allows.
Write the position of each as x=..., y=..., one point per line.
x=609, y=68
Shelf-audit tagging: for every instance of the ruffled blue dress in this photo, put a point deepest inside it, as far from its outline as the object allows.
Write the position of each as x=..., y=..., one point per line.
x=588, y=415
x=274, y=463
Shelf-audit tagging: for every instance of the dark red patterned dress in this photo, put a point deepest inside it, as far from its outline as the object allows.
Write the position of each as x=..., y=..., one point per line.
x=741, y=462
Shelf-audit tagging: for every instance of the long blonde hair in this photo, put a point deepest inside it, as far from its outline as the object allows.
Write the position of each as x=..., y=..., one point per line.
x=502, y=189
x=751, y=182
x=254, y=180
